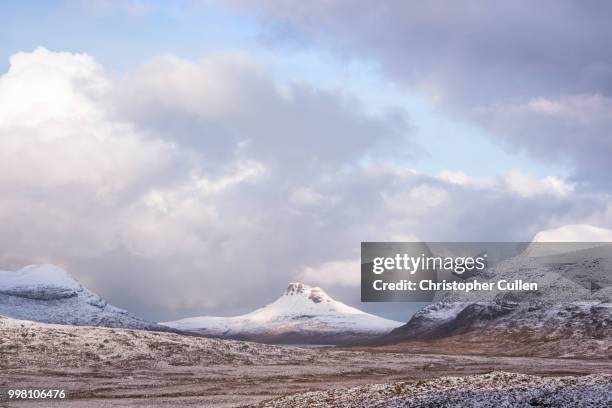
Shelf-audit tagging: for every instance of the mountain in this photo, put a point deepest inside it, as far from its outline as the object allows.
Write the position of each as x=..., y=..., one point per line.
x=46, y=293
x=569, y=316
x=302, y=315
x=575, y=233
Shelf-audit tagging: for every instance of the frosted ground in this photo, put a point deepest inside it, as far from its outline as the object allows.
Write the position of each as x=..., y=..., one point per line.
x=498, y=389
x=101, y=367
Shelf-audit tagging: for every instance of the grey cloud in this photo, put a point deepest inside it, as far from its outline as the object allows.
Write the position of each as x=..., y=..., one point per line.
x=226, y=105
x=511, y=49
x=479, y=60
x=574, y=131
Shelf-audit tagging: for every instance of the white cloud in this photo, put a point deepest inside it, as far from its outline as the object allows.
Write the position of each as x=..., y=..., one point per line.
x=422, y=197
x=55, y=131
x=306, y=196
x=46, y=87
x=455, y=177
x=527, y=185
x=514, y=181
x=244, y=171
x=346, y=272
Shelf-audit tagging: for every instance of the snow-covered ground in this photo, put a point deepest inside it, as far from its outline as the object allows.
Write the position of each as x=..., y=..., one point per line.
x=302, y=314
x=46, y=293
x=496, y=389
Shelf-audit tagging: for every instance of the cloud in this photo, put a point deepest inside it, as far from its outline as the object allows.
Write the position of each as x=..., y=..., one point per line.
x=56, y=132
x=572, y=130
x=335, y=273
x=536, y=77
x=514, y=181
x=527, y=185
x=185, y=169
x=306, y=196
x=217, y=107
x=200, y=186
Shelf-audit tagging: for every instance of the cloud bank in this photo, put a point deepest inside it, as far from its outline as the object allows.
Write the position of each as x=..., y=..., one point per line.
x=207, y=185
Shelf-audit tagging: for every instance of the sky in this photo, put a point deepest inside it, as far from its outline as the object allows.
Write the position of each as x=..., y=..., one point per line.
x=195, y=157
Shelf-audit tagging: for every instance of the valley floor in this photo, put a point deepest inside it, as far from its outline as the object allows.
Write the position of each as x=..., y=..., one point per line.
x=125, y=368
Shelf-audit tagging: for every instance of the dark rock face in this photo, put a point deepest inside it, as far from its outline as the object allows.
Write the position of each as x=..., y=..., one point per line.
x=295, y=289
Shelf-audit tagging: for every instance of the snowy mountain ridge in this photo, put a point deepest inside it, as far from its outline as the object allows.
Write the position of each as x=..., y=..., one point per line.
x=48, y=294
x=39, y=282
x=303, y=314
x=573, y=303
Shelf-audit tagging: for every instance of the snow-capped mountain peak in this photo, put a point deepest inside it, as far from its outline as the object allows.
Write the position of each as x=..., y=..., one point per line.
x=44, y=282
x=302, y=314
x=302, y=299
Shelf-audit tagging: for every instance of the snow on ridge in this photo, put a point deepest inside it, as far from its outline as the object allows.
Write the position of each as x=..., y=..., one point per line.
x=569, y=238
x=574, y=233
x=48, y=294
x=33, y=276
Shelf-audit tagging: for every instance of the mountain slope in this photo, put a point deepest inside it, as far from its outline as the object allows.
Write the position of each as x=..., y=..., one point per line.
x=303, y=314
x=46, y=293
x=569, y=316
